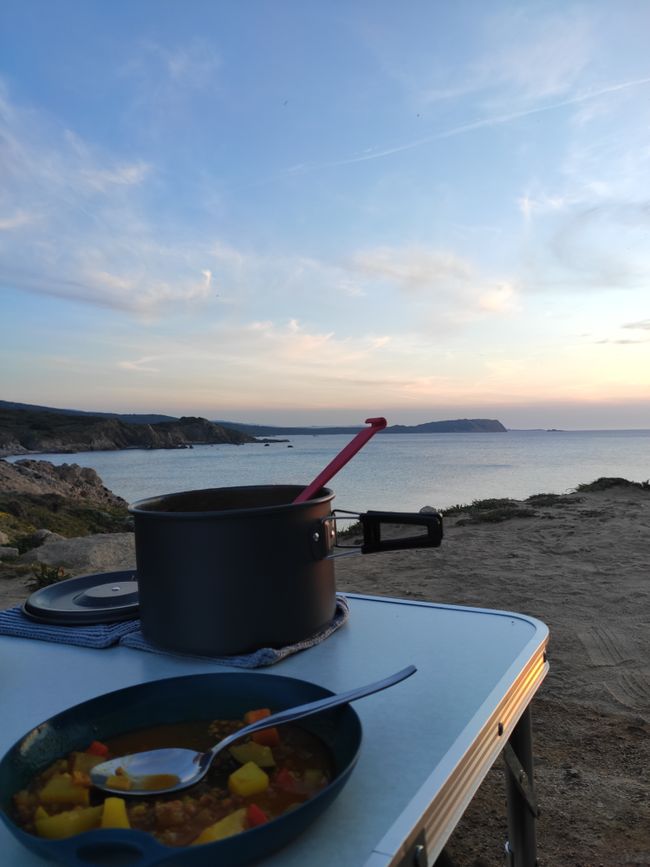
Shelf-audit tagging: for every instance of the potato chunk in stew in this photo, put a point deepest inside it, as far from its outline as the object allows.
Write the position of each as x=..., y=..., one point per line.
x=248, y=785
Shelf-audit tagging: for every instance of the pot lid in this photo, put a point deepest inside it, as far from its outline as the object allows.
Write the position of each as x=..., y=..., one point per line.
x=86, y=600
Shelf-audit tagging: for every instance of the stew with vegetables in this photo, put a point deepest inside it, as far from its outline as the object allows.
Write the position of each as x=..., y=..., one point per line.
x=258, y=779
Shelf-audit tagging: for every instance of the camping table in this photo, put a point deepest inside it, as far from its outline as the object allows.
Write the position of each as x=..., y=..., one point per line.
x=427, y=745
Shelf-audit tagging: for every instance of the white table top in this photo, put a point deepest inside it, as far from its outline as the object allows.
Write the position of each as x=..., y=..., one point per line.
x=476, y=668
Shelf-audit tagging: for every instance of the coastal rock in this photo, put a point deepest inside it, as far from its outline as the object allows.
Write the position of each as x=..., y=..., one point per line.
x=105, y=552
x=4, y=538
x=68, y=480
x=38, y=498
x=40, y=536
x=7, y=553
x=23, y=431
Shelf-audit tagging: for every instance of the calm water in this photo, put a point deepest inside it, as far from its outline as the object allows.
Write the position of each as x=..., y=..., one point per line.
x=393, y=471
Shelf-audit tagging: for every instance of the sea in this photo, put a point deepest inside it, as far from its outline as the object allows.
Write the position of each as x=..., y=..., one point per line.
x=394, y=472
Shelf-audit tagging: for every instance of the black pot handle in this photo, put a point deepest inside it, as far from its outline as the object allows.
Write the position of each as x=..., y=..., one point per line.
x=371, y=523
x=324, y=538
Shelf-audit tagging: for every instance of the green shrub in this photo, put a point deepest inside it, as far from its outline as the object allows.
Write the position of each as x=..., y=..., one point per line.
x=605, y=483
x=45, y=575
x=542, y=500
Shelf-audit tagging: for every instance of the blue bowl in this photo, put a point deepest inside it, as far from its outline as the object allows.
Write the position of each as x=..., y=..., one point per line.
x=177, y=699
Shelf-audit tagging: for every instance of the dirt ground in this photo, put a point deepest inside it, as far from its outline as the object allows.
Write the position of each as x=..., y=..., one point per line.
x=581, y=566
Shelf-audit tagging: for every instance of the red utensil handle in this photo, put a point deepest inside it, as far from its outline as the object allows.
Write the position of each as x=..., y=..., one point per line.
x=342, y=458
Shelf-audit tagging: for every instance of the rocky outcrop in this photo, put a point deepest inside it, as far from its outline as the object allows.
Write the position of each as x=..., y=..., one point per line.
x=38, y=499
x=8, y=553
x=68, y=480
x=24, y=432
x=105, y=552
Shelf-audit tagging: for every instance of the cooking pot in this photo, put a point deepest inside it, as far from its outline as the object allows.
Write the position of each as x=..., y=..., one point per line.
x=178, y=699
x=226, y=571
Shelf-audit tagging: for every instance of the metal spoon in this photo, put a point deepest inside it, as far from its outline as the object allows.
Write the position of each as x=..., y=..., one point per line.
x=157, y=772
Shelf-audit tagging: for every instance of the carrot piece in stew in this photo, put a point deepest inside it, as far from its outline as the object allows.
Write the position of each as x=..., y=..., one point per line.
x=284, y=780
x=266, y=737
x=255, y=816
x=252, y=716
x=97, y=748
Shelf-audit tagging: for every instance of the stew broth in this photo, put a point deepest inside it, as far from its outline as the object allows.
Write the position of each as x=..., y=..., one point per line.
x=258, y=779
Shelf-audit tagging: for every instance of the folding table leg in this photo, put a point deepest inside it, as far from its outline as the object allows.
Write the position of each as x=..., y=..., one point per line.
x=521, y=848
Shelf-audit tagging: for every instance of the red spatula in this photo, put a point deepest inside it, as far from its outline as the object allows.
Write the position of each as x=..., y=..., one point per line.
x=342, y=458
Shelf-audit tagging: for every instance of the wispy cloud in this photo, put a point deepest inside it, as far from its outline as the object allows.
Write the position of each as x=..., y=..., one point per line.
x=140, y=365
x=623, y=342
x=494, y=120
x=77, y=224
x=531, y=205
x=413, y=268
x=121, y=175
x=454, y=287
x=193, y=64
x=15, y=221
x=606, y=244
x=643, y=324
x=522, y=54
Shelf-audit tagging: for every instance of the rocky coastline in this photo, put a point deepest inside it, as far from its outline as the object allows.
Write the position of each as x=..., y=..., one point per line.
x=25, y=432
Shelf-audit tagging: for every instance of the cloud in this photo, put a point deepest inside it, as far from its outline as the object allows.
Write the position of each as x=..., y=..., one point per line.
x=622, y=342
x=587, y=229
x=413, y=268
x=642, y=324
x=453, y=287
x=530, y=205
x=140, y=365
x=493, y=119
x=191, y=65
x=15, y=221
x=126, y=174
x=77, y=223
x=517, y=55
x=606, y=244
x=535, y=57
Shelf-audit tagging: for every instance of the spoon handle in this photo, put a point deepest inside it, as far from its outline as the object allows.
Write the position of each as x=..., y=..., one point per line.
x=340, y=460
x=312, y=707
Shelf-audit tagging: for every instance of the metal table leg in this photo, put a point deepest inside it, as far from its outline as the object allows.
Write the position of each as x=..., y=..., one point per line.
x=521, y=848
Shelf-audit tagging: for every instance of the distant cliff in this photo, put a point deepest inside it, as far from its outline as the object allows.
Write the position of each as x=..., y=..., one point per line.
x=25, y=432
x=131, y=418
x=460, y=425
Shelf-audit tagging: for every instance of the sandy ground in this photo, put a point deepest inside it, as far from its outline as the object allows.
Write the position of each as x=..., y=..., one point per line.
x=581, y=566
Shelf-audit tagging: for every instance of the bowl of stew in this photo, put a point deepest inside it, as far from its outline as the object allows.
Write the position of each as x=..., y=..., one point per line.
x=258, y=796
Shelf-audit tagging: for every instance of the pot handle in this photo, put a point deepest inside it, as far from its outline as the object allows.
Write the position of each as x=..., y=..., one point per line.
x=371, y=524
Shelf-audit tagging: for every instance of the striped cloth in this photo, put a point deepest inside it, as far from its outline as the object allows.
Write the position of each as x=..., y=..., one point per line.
x=14, y=622
x=128, y=633
x=258, y=658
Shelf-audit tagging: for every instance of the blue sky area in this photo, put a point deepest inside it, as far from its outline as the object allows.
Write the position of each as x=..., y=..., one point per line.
x=299, y=212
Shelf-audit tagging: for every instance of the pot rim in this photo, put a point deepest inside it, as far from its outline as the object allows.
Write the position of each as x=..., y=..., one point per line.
x=146, y=506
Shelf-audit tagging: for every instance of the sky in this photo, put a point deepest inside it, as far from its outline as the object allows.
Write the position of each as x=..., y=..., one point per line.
x=310, y=213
